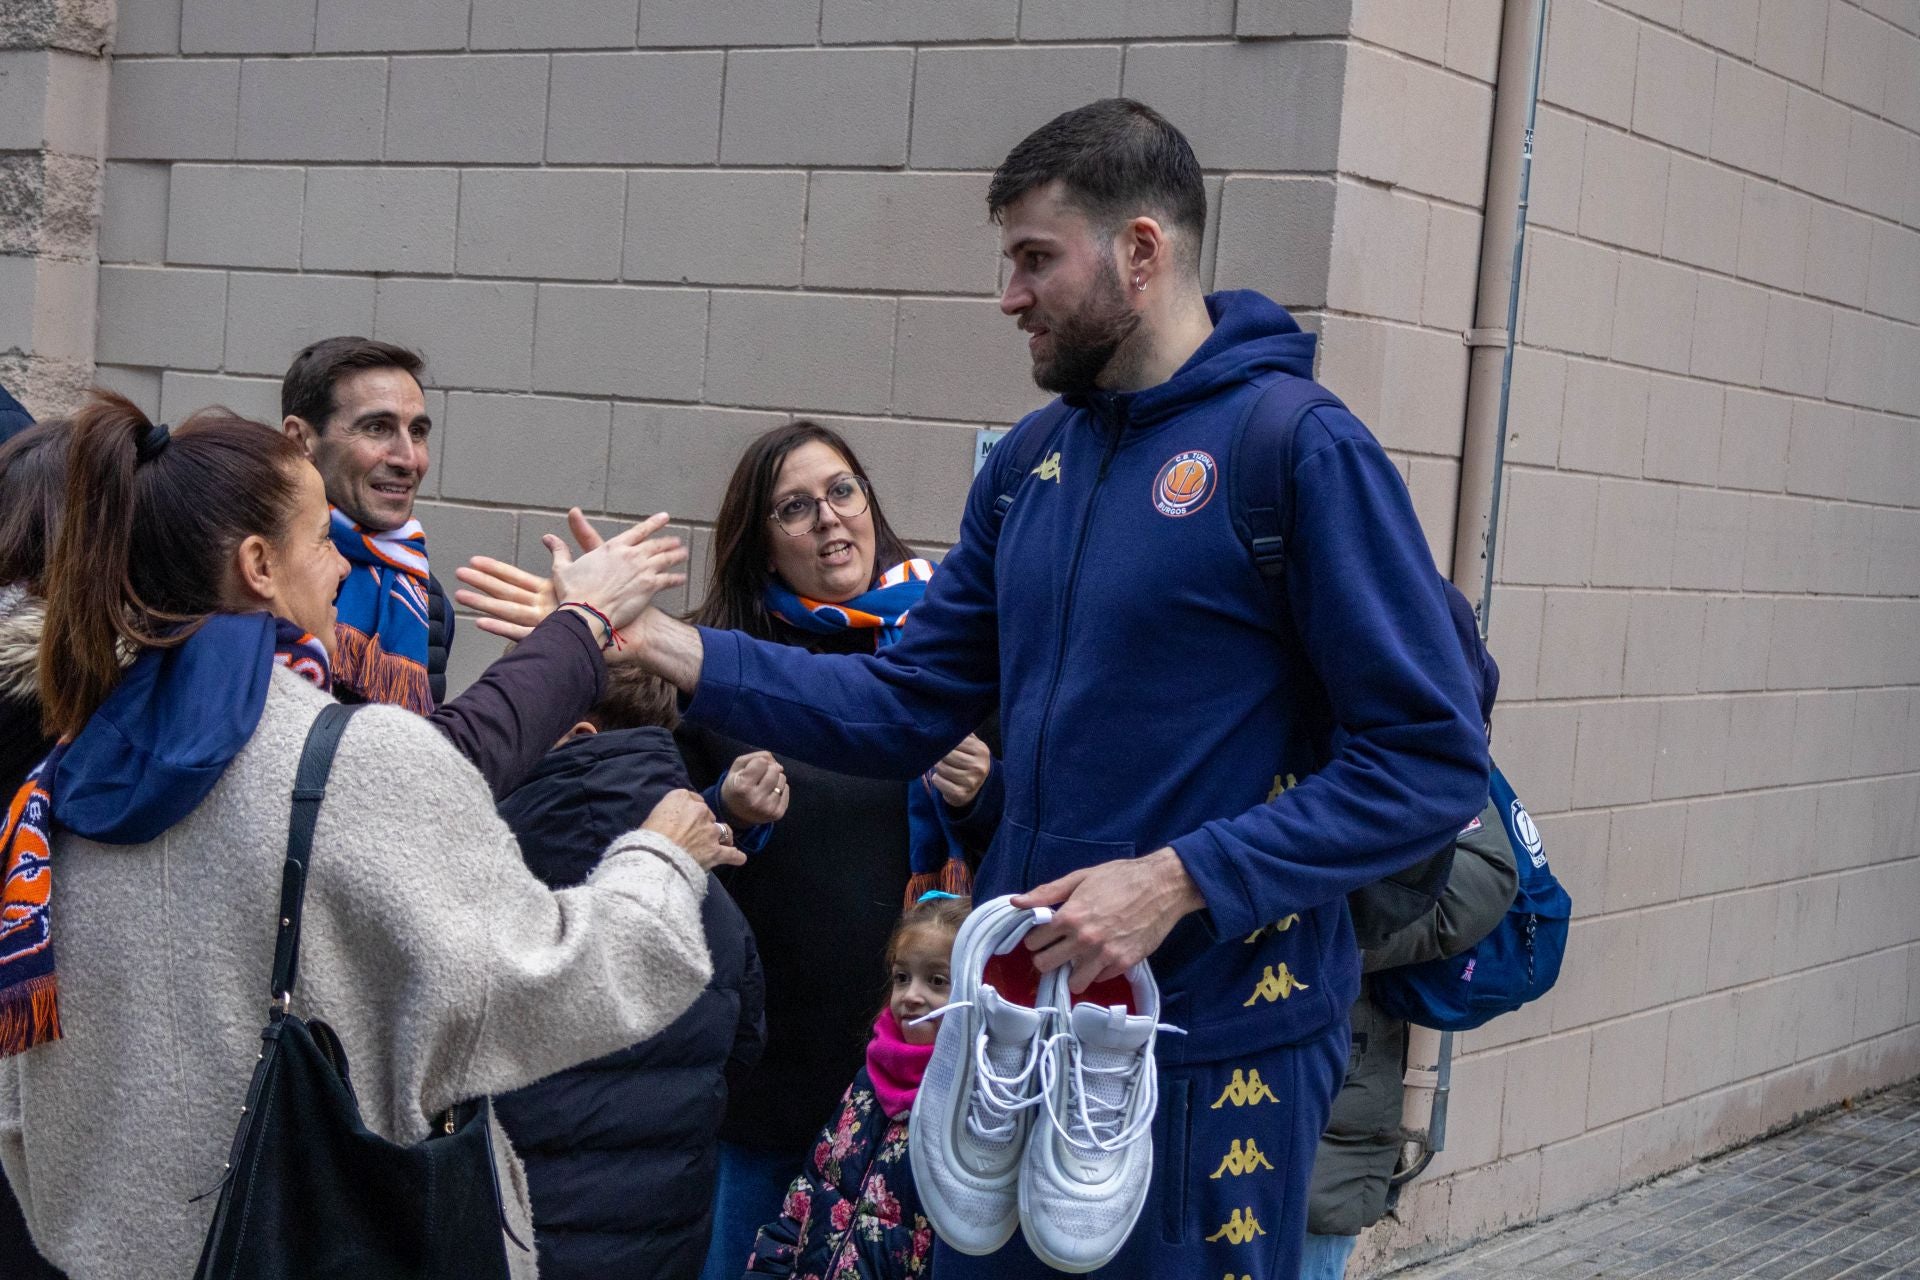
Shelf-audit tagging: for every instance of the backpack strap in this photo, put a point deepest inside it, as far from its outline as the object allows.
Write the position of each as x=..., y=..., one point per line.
x=309, y=787
x=1026, y=446
x=1261, y=467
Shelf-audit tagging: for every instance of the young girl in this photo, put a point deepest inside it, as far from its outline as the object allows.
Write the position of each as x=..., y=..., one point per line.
x=853, y=1213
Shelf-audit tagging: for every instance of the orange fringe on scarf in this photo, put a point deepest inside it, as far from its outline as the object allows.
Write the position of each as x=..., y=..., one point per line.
x=360, y=664
x=30, y=1015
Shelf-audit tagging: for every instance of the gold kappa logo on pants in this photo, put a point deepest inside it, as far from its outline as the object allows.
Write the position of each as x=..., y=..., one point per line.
x=1276, y=983
x=1270, y=930
x=1238, y=1229
x=1241, y=1160
x=1245, y=1089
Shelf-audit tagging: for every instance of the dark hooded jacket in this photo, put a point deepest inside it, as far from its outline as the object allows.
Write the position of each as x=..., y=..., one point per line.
x=621, y=1152
x=14, y=418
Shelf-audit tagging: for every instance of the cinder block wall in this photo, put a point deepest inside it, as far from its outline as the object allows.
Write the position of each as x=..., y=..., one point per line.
x=630, y=235
x=1706, y=611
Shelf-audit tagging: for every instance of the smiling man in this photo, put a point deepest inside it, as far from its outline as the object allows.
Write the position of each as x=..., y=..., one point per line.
x=356, y=407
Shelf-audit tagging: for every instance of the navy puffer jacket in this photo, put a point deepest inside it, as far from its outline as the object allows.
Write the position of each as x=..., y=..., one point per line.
x=621, y=1152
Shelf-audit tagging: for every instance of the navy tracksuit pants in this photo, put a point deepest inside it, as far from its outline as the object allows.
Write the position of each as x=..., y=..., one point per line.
x=1233, y=1147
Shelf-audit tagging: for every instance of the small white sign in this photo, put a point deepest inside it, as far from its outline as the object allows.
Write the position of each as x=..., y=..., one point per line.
x=983, y=441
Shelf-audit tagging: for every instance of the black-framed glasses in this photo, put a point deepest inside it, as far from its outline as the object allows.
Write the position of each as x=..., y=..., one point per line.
x=799, y=513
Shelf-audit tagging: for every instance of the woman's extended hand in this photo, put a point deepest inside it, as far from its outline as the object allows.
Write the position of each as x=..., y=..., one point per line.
x=683, y=817
x=959, y=777
x=512, y=601
x=755, y=790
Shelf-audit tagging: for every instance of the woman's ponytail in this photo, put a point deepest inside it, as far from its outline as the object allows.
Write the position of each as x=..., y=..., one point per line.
x=145, y=543
x=89, y=592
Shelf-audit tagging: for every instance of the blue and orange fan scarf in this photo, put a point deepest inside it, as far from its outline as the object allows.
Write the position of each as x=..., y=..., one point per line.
x=381, y=633
x=936, y=857
x=29, y=984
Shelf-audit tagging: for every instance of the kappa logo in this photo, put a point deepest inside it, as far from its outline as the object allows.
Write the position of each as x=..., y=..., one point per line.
x=1276, y=983
x=1528, y=833
x=1242, y=1160
x=1239, y=1228
x=1185, y=483
x=1269, y=930
x=1246, y=1089
x=1049, y=469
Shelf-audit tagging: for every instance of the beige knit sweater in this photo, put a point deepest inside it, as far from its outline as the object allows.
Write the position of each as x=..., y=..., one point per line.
x=448, y=970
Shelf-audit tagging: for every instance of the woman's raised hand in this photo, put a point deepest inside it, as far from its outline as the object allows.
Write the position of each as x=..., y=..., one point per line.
x=959, y=777
x=683, y=817
x=755, y=790
x=512, y=602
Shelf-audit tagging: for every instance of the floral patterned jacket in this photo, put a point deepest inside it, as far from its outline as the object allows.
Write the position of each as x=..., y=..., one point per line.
x=853, y=1213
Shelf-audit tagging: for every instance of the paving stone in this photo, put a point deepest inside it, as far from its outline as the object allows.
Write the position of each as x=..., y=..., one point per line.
x=1837, y=1197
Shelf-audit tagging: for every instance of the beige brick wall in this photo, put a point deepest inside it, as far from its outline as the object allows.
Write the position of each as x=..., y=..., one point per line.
x=629, y=234
x=1706, y=606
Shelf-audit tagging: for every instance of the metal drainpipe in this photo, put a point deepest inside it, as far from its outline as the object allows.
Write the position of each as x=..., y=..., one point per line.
x=1523, y=29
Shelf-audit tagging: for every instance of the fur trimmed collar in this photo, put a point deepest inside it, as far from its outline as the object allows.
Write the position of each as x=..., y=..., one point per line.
x=22, y=618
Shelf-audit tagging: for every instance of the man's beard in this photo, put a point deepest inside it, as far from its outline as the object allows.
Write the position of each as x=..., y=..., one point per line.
x=1086, y=342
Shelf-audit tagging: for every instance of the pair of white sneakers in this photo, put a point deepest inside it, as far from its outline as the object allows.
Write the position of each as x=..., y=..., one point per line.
x=1037, y=1105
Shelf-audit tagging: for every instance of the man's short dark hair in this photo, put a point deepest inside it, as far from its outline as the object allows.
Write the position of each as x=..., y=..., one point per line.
x=1117, y=159
x=307, y=390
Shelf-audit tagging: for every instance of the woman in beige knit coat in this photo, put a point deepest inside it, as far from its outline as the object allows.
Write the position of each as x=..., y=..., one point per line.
x=447, y=969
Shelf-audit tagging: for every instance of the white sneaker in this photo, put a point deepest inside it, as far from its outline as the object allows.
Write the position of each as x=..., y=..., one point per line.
x=1085, y=1176
x=970, y=1118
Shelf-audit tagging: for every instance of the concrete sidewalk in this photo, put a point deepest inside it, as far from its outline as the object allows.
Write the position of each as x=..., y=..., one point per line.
x=1839, y=1196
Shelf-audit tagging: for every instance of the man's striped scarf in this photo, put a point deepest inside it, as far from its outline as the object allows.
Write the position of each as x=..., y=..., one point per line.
x=29, y=986
x=935, y=855
x=380, y=636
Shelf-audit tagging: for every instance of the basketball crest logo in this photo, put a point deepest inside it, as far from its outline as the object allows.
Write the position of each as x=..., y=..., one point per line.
x=1185, y=483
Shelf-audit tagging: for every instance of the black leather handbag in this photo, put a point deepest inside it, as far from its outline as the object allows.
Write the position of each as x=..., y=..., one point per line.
x=309, y=1190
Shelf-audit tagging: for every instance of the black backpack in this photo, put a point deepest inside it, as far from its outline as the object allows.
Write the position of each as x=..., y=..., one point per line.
x=1262, y=514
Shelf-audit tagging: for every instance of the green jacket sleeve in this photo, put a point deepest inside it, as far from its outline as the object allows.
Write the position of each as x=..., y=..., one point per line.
x=1481, y=887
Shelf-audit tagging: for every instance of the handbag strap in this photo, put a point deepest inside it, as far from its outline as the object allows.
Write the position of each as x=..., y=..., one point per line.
x=309, y=788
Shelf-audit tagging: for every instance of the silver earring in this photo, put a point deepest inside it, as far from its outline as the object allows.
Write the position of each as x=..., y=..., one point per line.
x=1140, y=284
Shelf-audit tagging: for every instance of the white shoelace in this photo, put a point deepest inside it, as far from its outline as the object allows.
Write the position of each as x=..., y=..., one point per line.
x=1113, y=1109
x=998, y=1096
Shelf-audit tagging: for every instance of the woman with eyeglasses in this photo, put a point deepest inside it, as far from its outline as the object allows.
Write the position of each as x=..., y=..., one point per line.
x=803, y=555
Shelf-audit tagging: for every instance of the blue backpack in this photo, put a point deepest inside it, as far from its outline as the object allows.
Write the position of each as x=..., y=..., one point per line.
x=1514, y=965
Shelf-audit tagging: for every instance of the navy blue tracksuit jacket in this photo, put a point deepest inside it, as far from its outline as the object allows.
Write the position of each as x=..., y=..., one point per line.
x=1150, y=696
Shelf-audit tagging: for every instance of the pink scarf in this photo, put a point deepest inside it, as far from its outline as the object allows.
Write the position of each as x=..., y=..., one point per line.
x=895, y=1066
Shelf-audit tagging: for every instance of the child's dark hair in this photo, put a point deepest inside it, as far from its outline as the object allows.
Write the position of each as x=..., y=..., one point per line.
x=944, y=912
x=635, y=700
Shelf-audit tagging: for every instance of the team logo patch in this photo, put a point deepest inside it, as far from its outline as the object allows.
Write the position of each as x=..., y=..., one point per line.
x=1185, y=483
x=1529, y=834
